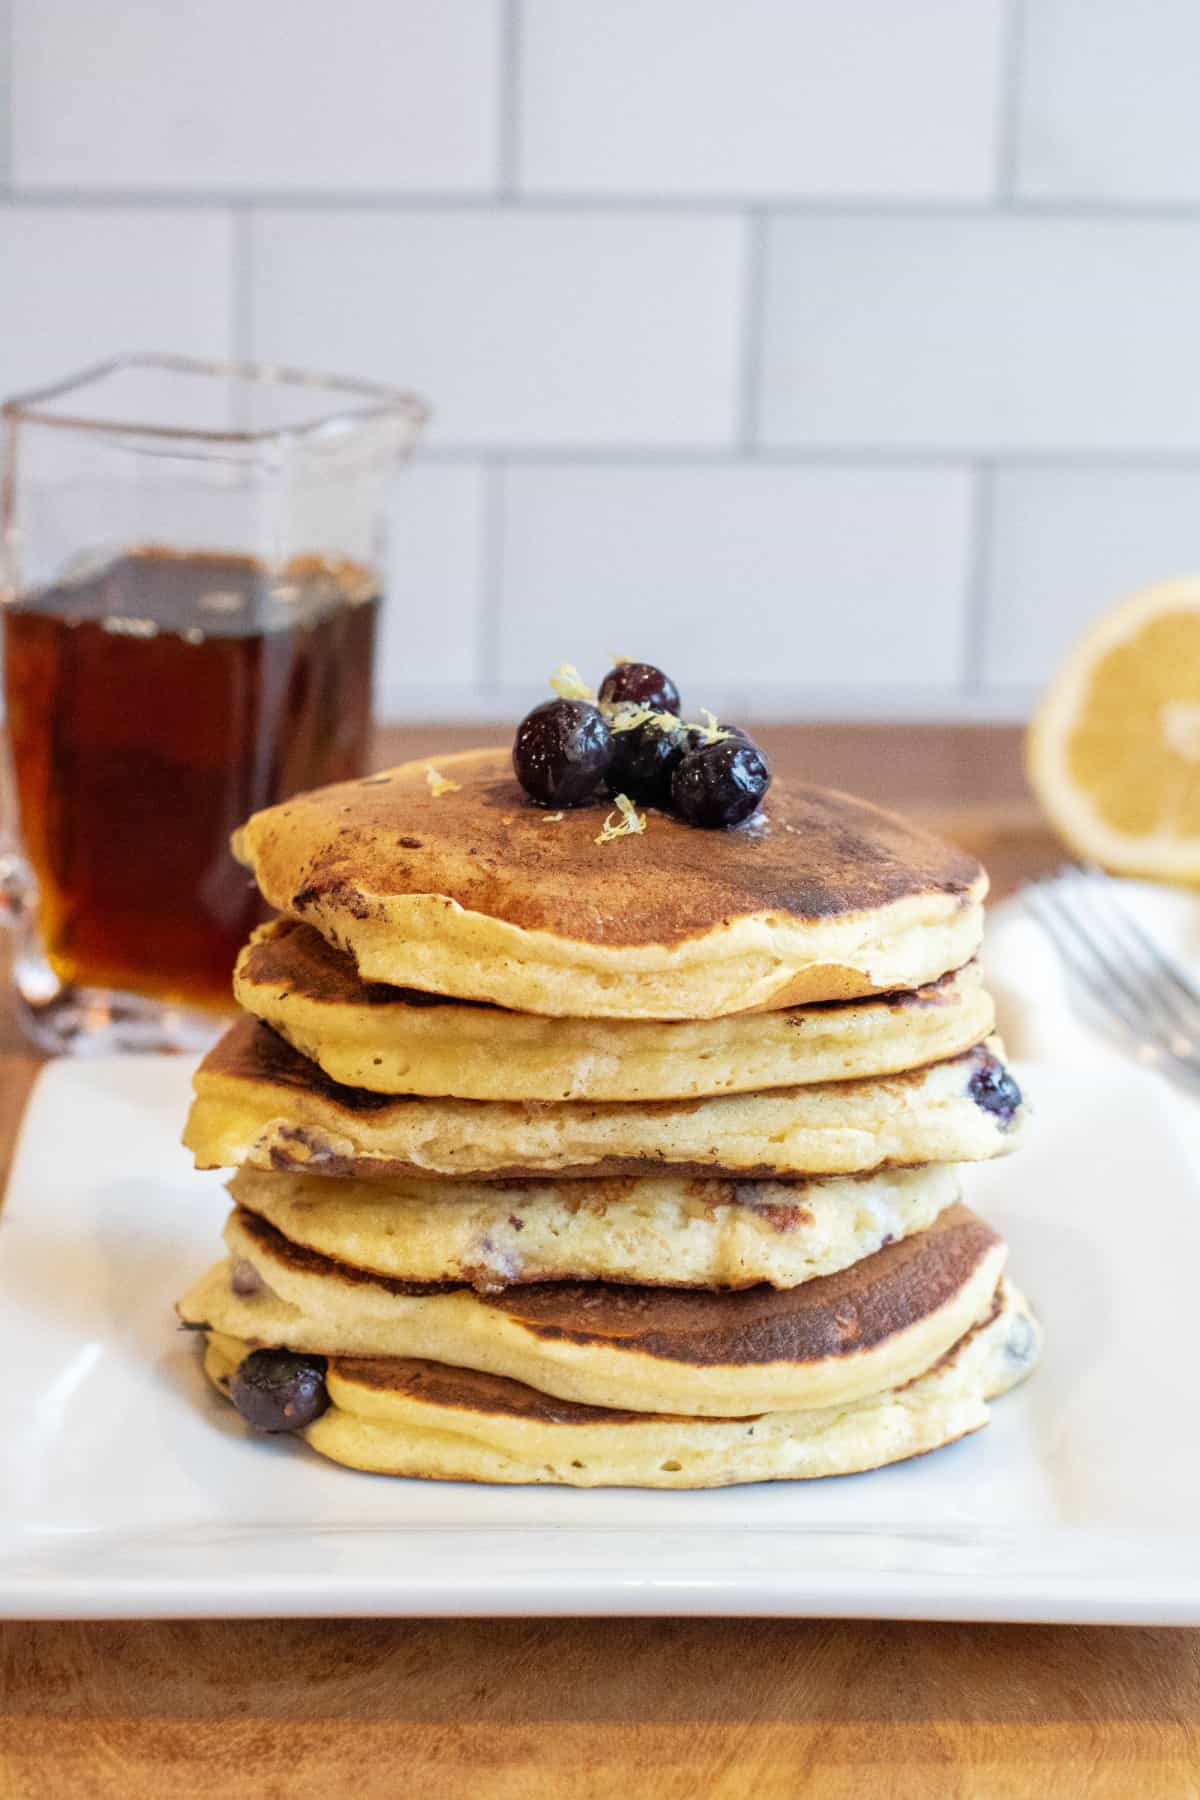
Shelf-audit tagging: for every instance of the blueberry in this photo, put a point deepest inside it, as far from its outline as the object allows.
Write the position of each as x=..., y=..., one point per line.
x=561, y=751
x=1021, y=1342
x=720, y=784
x=279, y=1390
x=644, y=761
x=993, y=1088
x=639, y=684
x=244, y=1278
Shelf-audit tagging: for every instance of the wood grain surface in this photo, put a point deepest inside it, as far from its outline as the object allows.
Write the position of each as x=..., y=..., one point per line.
x=675, y=1709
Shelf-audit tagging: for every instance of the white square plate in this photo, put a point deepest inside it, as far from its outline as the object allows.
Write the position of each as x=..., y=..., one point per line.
x=127, y=1489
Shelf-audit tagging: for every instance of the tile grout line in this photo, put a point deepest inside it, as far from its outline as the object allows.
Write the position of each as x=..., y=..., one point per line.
x=836, y=456
x=874, y=208
x=1009, y=106
x=750, y=360
x=508, y=111
x=978, y=595
x=490, y=578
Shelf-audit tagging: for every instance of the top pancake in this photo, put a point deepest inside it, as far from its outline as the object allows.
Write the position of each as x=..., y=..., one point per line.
x=477, y=893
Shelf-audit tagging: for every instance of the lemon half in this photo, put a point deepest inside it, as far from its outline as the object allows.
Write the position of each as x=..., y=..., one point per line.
x=1113, y=752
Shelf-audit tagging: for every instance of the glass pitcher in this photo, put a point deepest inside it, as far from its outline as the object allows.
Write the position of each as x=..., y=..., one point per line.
x=192, y=568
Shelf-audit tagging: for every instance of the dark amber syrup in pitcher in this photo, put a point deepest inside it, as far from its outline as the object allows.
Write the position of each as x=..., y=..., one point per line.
x=153, y=704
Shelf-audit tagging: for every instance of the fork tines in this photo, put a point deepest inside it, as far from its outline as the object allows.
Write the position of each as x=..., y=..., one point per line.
x=1117, y=965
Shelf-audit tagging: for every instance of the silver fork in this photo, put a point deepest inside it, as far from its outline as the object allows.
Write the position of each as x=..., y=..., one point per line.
x=1119, y=969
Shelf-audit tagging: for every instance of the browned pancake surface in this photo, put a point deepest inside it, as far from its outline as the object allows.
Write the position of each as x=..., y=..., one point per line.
x=293, y=958
x=251, y=1054
x=312, y=1262
x=814, y=855
x=471, y=1390
x=837, y=1316
x=250, y=1051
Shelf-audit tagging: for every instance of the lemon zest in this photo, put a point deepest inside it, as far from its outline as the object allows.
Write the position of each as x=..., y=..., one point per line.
x=710, y=730
x=629, y=821
x=627, y=715
x=624, y=716
x=440, y=784
x=569, y=684
x=553, y=818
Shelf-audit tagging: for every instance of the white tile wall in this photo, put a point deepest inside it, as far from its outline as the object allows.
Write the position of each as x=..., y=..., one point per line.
x=760, y=97
x=1109, y=106
x=274, y=93
x=1069, y=542
x=523, y=328
x=993, y=333
x=78, y=286
x=736, y=577
x=845, y=354
x=431, y=628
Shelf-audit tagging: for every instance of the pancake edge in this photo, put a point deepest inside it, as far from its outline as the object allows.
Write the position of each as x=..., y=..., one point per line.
x=463, y=1049
x=462, y=1329
x=593, y=1447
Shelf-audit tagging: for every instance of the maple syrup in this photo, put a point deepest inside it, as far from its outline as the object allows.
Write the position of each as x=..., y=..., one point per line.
x=153, y=704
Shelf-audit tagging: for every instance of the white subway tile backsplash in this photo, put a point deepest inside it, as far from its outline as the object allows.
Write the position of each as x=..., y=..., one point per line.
x=764, y=97
x=80, y=286
x=430, y=636
x=989, y=333
x=278, y=93
x=547, y=216
x=735, y=576
x=1066, y=544
x=535, y=329
x=1108, y=105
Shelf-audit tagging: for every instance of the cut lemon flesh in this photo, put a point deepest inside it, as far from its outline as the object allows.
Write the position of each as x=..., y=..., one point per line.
x=1113, y=753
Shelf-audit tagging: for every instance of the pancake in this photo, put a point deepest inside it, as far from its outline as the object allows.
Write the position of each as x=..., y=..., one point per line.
x=478, y=893
x=400, y=1041
x=663, y=1231
x=828, y=1343
x=413, y=1418
x=257, y=1101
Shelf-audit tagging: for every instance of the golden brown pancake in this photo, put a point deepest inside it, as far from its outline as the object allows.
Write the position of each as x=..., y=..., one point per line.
x=661, y=1231
x=403, y=1416
x=852, y=1311
x=259, y=1102
x=475, y=892
x=649, y=1349
x=401, y=1041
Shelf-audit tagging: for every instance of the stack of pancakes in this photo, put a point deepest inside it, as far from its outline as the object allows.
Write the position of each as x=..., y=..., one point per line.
x=592, y=1159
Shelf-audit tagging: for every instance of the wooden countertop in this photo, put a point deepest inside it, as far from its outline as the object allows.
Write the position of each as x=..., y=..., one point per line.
x=683, y=1709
